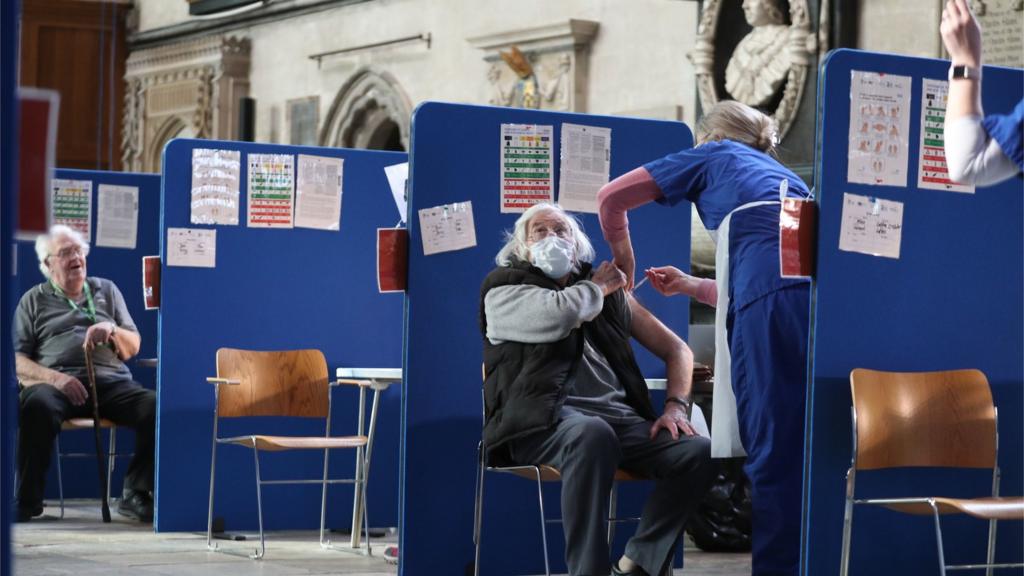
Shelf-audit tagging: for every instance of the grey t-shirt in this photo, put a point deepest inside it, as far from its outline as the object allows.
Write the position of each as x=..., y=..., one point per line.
x=51, y=333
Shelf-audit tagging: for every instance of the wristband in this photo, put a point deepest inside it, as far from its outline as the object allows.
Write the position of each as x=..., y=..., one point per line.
x=964, y=72
x=686, y=404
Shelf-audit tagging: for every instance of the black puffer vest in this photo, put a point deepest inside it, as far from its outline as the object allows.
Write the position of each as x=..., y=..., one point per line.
x=525, y=385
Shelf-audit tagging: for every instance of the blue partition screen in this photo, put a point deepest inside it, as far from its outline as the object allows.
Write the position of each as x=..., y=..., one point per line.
x=456, y=158
x=953, y=299
x=123, y=266
x=275, y=289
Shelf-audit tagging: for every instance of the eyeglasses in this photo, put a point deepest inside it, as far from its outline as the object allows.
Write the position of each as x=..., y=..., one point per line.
x=70, y=252
x=541, y=232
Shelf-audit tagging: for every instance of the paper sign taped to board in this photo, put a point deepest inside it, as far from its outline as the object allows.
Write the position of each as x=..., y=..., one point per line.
x=117, y=220
x=193, y=247
x=447, y=228
x=871, y=226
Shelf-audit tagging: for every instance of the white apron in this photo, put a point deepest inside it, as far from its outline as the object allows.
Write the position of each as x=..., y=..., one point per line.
x=725, y=429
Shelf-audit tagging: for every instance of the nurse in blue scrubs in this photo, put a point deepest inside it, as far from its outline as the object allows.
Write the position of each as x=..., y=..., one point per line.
x=736, y=184
x=981, y=150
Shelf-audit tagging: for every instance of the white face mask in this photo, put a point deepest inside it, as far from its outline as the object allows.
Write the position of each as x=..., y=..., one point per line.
x=553, y=255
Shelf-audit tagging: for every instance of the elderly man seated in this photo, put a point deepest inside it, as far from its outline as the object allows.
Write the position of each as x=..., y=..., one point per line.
x=563, y=388
x=54, y=324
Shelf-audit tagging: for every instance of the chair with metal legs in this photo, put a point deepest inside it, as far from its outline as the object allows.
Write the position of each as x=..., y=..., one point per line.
x=86, y=424
x=927, y=419
x=285, y=383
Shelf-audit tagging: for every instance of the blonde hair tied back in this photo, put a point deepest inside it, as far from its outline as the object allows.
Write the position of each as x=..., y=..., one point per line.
x=731, y=120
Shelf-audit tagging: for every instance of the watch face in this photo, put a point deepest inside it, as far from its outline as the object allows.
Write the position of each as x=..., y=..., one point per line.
x=959, y=71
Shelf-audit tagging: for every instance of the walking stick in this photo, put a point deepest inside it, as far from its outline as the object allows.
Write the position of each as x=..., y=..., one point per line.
x=101, y=460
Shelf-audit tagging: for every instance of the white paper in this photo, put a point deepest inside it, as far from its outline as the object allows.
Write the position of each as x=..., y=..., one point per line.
x=318, y=192
x=447, y=228
x=397, y=175
x=932, y=172
x=215, y=186
x=527, y=158
x=196, y=247
x=117, y=218
x=871, y=226
x=879, y=139
x=586, y=156
x=271, y=186
x=71, y=202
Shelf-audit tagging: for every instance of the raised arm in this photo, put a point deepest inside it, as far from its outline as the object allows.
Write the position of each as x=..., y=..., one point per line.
x=632, y=189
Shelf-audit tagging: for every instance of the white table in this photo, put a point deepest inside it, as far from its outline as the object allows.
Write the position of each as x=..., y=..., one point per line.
x=380, y=379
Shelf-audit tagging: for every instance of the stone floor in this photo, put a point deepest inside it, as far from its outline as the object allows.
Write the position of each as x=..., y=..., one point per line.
x=80, y=544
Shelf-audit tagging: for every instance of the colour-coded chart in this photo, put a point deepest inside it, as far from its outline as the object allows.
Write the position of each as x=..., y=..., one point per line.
x=72, y=204
x=932, y=172
x=271, y=190
x=526, y=160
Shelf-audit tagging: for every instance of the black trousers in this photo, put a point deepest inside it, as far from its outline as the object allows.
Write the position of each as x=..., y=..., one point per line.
x=44, y=409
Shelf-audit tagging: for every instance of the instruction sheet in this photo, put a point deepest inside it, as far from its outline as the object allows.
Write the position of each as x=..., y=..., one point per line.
x=879, y=129
x=527, y=158
x=117, y=218
x=318, y=192
x=72, y=205
x=932, y=172
x=271, y=184
x=215, y=185
x=195, y=247
x=586, y=156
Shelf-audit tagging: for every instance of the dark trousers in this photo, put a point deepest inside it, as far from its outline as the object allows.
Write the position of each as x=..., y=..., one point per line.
x=587, y=450
x=44, y=409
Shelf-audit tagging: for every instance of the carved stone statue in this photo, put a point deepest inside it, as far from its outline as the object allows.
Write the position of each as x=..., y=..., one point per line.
x=500, y=96
x=525, y=91
x=761, y=61
x=556, y=90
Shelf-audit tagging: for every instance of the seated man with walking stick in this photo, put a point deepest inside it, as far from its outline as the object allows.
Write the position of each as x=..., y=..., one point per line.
x=55, y=325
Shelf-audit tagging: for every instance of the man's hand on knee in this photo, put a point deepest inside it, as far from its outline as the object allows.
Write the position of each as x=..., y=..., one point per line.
x=70, y=387
x=675, y=421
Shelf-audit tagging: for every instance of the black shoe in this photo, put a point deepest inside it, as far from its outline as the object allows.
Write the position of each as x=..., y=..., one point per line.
x=136, y=505
x=28, y=512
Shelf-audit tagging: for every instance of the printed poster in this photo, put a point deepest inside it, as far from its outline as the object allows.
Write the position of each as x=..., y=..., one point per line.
x=527, y=158
x=271, y=190
x=447, y=228
x=117, y=218
x=318, y=192
x=879, y=129
x=586, y=157
x=871, y=226
x=72, y=205
x=215, y=185
x=932, y=172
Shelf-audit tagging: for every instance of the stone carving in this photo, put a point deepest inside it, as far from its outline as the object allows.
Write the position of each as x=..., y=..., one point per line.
x=556, y=89
x=795, y=45
x=369, y=107
x=500, y=96
x=760, y=62
x=1002, y=31
x=185, y=89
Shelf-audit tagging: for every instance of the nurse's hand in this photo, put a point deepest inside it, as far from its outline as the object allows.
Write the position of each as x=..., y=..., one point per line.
x=622, y=253
x=670, y=281
x=675, y=421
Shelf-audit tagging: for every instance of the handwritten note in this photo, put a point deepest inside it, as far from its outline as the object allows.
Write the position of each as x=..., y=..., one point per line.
x=195, y=247
x=447, y=228
x=871, y=226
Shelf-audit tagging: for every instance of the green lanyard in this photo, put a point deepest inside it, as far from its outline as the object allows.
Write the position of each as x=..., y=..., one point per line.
x=90, y=311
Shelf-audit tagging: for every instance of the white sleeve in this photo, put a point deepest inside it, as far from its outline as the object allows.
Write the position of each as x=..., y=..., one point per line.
x=534, y=315
x=972, y=156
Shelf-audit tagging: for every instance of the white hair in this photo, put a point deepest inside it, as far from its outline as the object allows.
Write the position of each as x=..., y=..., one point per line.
x=45, y=241
x=515, y=241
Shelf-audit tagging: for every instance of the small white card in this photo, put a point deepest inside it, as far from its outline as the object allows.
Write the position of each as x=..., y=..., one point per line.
x=871, y=226
x=192, y=247
x=447, y=228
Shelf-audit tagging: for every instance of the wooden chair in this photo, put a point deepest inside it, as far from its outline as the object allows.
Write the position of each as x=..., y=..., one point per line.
x=539, y=473
x=285, y=383
x=927, y=419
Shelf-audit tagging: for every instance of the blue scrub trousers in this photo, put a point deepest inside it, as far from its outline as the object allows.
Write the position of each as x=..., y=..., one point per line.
x=768, y=343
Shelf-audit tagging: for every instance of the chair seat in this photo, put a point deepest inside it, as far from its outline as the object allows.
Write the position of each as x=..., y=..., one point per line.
x=80, y=423
x=987, y=508
x=552, y=474
x=273, y=443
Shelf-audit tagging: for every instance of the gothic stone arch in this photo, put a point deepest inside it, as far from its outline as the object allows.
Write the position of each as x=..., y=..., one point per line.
x=370, y=111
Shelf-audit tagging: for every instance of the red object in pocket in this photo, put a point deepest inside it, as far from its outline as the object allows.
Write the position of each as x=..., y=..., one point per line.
x=798, y=227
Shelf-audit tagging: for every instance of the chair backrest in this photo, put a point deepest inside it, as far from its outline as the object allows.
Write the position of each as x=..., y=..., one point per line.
x=933, y=419
x=279, y=383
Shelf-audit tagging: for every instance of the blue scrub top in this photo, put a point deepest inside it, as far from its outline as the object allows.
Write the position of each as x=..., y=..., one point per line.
x=719, y=177
x=1008, y=131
